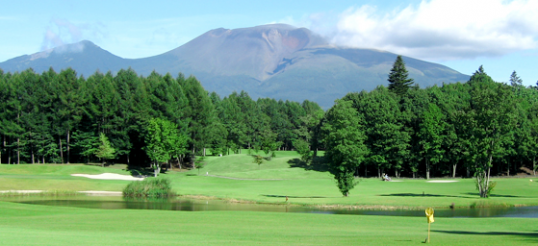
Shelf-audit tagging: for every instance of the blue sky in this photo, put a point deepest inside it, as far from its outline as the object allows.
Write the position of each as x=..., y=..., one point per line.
x=462, y=34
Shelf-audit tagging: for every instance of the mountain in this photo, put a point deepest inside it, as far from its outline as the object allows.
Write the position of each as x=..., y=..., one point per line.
x=277, y=61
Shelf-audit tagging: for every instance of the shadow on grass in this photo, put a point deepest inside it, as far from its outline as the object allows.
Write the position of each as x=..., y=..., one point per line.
x=494, y=195
x=140, y=171
x=423, y=195
x=317, y=164
x=283, y=196
x=528, y=235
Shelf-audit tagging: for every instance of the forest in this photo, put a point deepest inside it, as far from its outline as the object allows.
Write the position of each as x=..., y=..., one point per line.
x=457, y=129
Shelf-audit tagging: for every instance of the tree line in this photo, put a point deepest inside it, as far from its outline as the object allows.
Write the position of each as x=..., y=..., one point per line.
x=64, y=118
x=478, y=128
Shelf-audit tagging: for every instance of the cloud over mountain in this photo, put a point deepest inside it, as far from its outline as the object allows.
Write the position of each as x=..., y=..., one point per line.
x=436, y=29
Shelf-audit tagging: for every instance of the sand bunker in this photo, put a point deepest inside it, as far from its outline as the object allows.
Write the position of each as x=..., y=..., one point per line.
x=101, y=193
x=108, y=176
x=21, y=191
x=442, y=181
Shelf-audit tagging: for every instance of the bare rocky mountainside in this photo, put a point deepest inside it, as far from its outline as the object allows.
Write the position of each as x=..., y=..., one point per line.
x=277, y=61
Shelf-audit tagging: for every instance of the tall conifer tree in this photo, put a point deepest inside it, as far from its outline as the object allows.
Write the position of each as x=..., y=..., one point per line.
x=399, y=81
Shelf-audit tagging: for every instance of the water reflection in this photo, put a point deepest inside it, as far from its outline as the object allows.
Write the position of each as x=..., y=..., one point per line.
x=218, y=205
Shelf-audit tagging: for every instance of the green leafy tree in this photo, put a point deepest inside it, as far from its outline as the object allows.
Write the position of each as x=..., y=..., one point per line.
x=399, y=81
x=162, y=142
x=105, y=150
x=456, y=107
x=303, y=149
x=387, y=140
x=344, y=140
x=432, y=133
x=491, y=121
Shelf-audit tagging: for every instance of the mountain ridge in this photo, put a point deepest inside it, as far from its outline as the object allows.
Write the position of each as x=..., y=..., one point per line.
x=276, y=60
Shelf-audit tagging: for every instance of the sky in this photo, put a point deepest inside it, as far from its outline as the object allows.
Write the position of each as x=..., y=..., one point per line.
x=501, y=35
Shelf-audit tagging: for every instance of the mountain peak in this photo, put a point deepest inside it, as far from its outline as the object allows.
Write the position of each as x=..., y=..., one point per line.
x=273, y=60
x=255, y=51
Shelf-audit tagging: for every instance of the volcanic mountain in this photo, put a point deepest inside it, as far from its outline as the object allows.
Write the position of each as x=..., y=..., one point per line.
x=277, y=61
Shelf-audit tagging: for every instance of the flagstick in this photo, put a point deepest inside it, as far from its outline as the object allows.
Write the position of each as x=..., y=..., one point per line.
x=428, y=232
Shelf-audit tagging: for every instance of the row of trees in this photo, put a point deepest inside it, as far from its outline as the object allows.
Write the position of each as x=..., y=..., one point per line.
x=59, y=117
x=457, y=129
x=465, y=128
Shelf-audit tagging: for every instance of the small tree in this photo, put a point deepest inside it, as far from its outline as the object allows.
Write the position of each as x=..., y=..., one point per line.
x=162, y=142
x=258, y=159
x=105, y=150
x=199, y=163
x=515, y=81
x=399, y=82
x=303, y=149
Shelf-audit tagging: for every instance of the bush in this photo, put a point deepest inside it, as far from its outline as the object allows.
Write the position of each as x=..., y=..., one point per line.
x=150, y=187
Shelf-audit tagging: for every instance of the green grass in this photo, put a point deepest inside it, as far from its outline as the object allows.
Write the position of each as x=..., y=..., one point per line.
x=22, y=224
x=237, y=177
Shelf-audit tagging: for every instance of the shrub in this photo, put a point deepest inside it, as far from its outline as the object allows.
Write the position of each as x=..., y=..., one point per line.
x=150, y=187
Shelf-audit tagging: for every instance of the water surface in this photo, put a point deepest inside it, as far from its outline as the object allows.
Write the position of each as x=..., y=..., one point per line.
x=219, y=205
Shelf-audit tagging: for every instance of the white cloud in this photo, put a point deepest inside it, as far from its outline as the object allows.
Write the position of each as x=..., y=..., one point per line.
x=442, y=29
x=61, y=31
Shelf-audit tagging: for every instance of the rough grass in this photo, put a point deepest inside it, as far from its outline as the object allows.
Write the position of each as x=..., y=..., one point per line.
x=150, y=188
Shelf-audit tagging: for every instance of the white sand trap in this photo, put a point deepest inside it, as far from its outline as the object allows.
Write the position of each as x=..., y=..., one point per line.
x=442, y=181
x=101, y=193
x=21, y=191
x=109, y=176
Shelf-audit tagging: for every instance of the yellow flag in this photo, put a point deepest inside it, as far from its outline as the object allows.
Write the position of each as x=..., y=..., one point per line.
x=429, y=215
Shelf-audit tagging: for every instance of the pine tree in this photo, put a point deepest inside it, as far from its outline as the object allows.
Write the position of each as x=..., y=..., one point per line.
x=399, y=82
x=515, y=80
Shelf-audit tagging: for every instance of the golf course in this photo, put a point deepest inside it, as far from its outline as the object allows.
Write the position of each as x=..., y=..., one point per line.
x=279, y=182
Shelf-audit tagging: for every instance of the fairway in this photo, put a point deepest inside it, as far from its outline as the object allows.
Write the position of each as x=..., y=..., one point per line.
x=37, y=225
x=236, y=178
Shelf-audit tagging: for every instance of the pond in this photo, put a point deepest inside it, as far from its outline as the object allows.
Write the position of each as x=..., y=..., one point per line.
x=219, y=205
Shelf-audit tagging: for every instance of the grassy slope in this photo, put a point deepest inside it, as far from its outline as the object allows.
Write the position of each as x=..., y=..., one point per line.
x=22, y=224
x=275, y=179
x=57, y=177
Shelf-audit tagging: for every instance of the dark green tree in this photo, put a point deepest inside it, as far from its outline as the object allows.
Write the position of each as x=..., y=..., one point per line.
x=344, y=140
x=491, y=122
x=399, y=81
x=515, y=81
x=432, y=129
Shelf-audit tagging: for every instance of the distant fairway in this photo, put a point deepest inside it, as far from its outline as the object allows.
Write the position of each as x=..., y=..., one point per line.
x=237, y=177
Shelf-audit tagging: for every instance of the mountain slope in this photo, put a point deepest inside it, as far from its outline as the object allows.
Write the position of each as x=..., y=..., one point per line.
x=278, y=61
x=85, y=57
